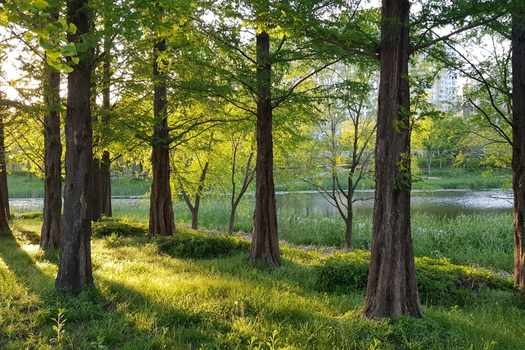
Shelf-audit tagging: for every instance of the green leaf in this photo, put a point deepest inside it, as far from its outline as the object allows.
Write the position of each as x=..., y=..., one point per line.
x=69, y=50
x=72, y=28
x=40, y=4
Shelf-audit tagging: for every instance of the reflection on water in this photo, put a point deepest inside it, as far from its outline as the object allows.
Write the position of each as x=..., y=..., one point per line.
x=439, y=203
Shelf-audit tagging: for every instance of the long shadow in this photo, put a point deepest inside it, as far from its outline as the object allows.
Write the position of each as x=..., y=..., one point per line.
x=112, y=318
x=92, y=319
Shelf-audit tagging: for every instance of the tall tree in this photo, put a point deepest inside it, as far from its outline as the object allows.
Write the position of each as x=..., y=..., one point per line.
x=518, y=137
x=265, y=240
x=4, y=190
x=105, y=163
x=391, y=289
x=52, y=219
x=268, y=89
x=161, y=218
x=4, y=209
x=75, y=271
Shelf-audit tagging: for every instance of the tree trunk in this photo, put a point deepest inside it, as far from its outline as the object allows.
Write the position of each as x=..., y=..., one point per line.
x=105, y=164
x=4, y=204
x=231, y=222
x=349, y=215
x=52, y=221
x=196, y=207
x=265, y=240
x=105, y=185
x=4, y=190
x=95, y=199
x=161, y=218
x=392, y=290
x=75, y=272
x=195, y=218
x=518, y=134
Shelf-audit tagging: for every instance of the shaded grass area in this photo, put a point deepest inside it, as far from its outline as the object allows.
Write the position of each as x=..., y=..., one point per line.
x=150, y=299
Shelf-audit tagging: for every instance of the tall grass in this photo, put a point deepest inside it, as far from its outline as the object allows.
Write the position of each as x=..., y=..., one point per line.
x=482, y=239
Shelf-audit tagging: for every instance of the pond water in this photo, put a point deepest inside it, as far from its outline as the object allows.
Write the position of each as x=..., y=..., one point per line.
x=440, y=203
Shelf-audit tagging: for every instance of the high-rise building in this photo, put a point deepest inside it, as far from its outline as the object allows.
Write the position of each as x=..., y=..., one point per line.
x=444, y=92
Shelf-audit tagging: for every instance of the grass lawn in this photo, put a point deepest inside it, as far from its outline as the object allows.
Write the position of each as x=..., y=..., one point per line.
x=150, y=294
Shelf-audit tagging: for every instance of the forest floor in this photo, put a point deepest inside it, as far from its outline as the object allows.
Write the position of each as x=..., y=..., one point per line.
x=197, y=291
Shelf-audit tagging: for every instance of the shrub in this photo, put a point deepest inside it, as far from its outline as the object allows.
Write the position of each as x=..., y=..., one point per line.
x=107, y=227
x=439, y=281
x=201, y=246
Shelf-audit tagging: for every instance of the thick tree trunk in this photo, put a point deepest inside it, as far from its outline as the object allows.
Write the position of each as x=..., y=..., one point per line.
x=52, y=221
x=4, y=190
x=161, y=218
x=4, y=202
x=75, y=272
x=392, y=290
x=518, y=134
x=265, y=240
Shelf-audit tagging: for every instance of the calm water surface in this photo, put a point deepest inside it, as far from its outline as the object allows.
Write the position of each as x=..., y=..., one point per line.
x=440, y=203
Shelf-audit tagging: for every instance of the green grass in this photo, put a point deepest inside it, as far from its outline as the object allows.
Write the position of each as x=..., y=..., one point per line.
x=147, y=299
x=29, y=186
x=480, y=239
x=457, y=178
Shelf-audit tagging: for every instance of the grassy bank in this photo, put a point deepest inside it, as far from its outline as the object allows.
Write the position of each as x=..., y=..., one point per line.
x=149, y=296
x=483, y=239
x=28, y=186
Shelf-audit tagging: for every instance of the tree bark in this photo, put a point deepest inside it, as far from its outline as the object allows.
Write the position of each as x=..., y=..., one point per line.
x=392, y=290
x=4, y=190
x=265, y=240
x=75, y=271
x=4, y=201
x=105, y=164
x=52, y=220
x=161, y=218
x=105, y=185
x=518, y=135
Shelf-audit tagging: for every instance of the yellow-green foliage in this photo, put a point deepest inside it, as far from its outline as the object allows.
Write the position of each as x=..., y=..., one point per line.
x=145, y=299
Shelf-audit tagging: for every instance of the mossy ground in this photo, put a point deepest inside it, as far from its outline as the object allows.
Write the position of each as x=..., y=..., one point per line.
x=148, y=299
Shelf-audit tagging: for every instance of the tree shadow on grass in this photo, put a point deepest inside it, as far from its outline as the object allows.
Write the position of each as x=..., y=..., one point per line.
x=92, y=319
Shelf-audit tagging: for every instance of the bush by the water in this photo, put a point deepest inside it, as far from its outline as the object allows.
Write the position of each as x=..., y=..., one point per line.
x=439, y=281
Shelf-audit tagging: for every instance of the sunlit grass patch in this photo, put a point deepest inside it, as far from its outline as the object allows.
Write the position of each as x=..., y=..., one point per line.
x=146, y=299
